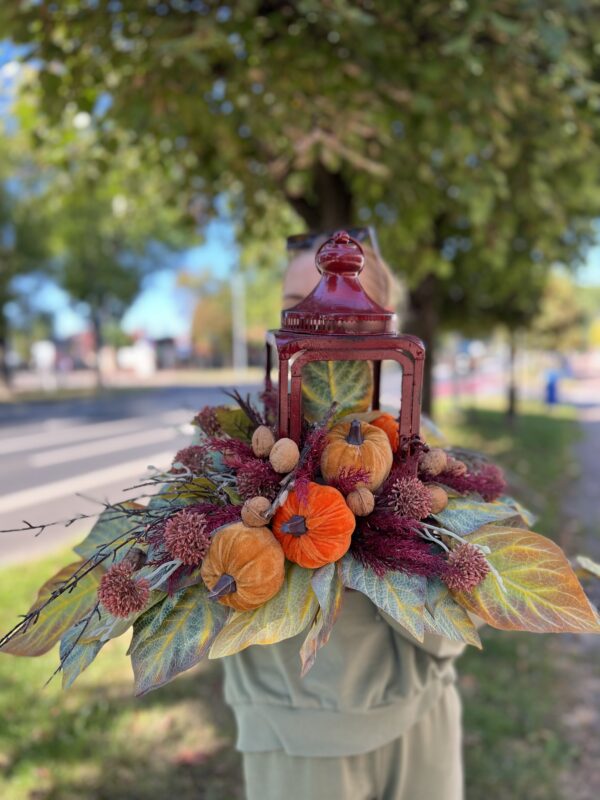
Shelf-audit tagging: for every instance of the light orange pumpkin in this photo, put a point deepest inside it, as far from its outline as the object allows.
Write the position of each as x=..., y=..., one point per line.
x=355, y=445
x=244, y=566
x=389, y=424
x=315, y=532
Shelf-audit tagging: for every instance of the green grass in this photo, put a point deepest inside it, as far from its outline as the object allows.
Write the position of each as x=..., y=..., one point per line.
x=97, y=742
x=514, y=749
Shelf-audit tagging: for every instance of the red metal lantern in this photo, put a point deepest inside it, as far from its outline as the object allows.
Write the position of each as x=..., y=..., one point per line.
x=338, y=321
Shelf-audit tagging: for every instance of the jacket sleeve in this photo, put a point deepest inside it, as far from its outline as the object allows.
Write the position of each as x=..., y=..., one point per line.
x=437, y=646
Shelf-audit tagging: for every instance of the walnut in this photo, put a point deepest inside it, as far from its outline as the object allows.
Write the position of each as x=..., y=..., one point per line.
x=439, y=499
x=284, y=455
x=456, y=467
x=433, y=461
x=361, y=501
x=254, y=512
x=262, y=441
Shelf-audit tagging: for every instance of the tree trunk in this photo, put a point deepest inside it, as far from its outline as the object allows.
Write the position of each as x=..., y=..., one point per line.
x=96, y=320
x=424, y=322
x=512, y=395
x=5, y=374
x=329, y=205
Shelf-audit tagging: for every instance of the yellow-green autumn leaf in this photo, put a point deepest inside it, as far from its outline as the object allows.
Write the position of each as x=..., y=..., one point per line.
x=288, y=613
x=400, y=595
x=445, y=617
x=112, y=528
x=75, y=655
x=234, y=422
x=173, y=636
x=539, y=591
x=349, y=383
x=329, y=589
x=59, y=615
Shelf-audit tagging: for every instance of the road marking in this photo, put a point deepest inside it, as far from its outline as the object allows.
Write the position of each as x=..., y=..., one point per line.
x=94, y=430
x=128, y=470
x=113, y=444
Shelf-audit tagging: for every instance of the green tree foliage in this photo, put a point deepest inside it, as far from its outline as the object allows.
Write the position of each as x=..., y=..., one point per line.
x=23, y=235
x=560, y=322
x=466, y=131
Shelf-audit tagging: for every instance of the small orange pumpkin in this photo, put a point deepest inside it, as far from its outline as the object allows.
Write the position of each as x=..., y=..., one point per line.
x=354, y=445
x=244, y=566
x=389, y=424
x=316, y=532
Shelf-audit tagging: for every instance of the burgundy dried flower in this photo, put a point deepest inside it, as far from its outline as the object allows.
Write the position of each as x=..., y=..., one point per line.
x=487, y=481
x=208, y=421
x=186, y=536
x=215, y=515
x=120, y=593
x=195, y=458
x=349, y=478
x=409, y=497
x=386, y=542
x=465, y=568
x=236, y=453
x=257, y=478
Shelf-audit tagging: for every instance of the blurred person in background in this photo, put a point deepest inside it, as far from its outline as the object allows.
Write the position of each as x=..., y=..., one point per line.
x=378, y=716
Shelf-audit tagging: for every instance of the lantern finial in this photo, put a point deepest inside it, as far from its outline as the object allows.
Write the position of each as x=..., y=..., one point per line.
x=339, y=304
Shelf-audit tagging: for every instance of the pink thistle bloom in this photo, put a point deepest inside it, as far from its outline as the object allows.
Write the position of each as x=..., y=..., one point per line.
x=466, y=568
x=207, y=421
x=195, y=458
x=187, y=536
x=120, y=593
x=410, y=498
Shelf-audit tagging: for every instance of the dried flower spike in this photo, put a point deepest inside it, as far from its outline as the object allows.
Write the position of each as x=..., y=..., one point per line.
x=195, y=458
x=410, y=498
x=466, y=568
x=120, y=593
x=262, y=441
x=187, y=537
x=455, y=467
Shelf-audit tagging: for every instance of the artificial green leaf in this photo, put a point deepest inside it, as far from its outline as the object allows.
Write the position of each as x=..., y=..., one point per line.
x=399, y=595
x=527, y=516
x=112, y=528
x=445, y=617
x=288, y=613
x=234, y=422
x=187, y=493
x=463, y=515
x=76, y=655
x=173, y=636
x=589, y=566
x=60, y=614
x=537, y=591
x=329, y=589
x=349, y=383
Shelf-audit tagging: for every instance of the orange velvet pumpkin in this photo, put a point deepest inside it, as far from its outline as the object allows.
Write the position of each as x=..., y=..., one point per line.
x=389, y=425
x=355, y=445
x=244, y=566
x=317, y=531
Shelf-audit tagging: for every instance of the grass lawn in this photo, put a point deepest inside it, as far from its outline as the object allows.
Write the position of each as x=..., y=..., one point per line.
x=514, y=749
x=96, y=742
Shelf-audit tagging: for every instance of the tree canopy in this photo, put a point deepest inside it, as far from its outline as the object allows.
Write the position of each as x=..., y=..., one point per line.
x=466, y=132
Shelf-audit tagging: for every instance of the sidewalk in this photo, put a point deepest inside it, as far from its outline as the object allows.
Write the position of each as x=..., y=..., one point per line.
x=580, y=657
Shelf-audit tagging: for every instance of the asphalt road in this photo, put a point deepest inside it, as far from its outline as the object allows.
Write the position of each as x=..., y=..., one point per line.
x=57, y=459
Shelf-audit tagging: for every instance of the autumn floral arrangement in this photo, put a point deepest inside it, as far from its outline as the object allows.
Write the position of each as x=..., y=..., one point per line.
x=250, y=539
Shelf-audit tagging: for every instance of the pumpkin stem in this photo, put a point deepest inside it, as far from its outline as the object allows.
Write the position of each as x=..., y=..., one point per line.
x=355, y=433
x=225, y=585
x=295, y=525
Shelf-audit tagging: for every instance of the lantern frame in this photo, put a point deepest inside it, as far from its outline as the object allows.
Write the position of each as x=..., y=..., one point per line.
x=339, y=264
